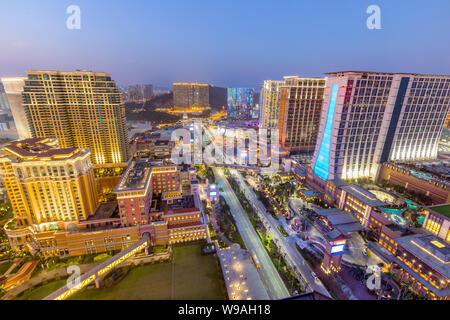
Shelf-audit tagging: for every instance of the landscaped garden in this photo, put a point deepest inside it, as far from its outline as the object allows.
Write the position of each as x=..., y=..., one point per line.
x=227, y=224
x=191, y=276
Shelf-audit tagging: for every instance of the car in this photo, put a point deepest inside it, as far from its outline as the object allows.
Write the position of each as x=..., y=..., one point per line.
x=316, y=278
x=364, y=252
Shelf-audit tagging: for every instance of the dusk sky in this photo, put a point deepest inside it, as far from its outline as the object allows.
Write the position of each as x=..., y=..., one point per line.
x=233, y=43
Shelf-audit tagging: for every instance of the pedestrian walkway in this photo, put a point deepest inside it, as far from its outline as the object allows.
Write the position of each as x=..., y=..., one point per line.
x=13, y=266
x=43, y=276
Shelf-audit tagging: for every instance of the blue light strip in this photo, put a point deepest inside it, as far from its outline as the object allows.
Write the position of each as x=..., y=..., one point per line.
x=323, y=158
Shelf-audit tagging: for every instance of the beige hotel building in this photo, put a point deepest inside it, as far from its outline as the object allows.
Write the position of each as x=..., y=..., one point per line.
x=81, y=109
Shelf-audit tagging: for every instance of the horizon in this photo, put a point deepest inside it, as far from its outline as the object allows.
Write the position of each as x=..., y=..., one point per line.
x=228, y=44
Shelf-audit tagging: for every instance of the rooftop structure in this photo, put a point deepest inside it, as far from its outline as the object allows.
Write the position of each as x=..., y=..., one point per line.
x=363, y=195
x=443, y=209
x=337, y=218
x=241, y=276
x=40, y=149
x=46, y=183
x=136, y=177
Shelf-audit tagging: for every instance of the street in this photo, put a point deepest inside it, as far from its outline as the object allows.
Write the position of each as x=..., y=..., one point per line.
x=286, y=244
x=269, y=274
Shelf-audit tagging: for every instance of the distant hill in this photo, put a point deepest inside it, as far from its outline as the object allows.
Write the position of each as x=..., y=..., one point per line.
x=138, y=111
x=160, y=101
x=153, y=116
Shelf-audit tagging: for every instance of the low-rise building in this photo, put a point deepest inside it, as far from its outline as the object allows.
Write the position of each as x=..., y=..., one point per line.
x=434, y=185
x=437, y=221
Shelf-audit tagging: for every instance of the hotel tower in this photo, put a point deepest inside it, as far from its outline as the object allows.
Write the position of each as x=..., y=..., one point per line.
x=299, y=113
x=48, y=184
x=81, y=109
x=371, y=117
x=270, y=103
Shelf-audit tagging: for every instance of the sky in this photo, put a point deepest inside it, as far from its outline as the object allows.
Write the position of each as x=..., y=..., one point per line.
x=229, y=43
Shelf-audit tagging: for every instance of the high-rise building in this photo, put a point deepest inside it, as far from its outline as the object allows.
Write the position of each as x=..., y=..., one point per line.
x=4, y=104
x=240, y=103
x=46, y=183
x=82, y=109
x=270, y=103
x=198, y=95
x=186, y=95
x=256, y=108
x=13, y=88
x=370, y=117
x=299, y=113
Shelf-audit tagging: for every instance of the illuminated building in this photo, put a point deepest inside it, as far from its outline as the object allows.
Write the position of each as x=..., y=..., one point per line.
x=149, y=194
x=270, y=103
x=198, y=95
x=168, y=216
x=135, y=189
x=47, y=184
x=81, y=109
x=437, y=221
x=422, y=261
x=359, y=201
x=334, y=249
x=299, y=113
x=369, y=118
x=241, y=103
x=435, y=186
x=13, y=89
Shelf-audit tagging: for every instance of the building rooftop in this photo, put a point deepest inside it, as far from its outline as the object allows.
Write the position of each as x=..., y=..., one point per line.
x=81, y=72
x=398, y=229
x=363, y=195
x=432, y=250
x=387, y=73
x=388, y=258
x=107, y=210
x=241, y=276
x=430, y=171
x=443, y=209
x=186, y=203
x=40, y=149
x=344, y=221
x=136, y=177
x=338, y=182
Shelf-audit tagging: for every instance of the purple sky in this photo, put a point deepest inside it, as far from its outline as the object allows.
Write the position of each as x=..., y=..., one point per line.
x=233, y=43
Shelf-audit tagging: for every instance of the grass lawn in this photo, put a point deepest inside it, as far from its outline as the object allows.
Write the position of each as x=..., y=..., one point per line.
x=40, y=292
x=4, y=266
x=193, y=277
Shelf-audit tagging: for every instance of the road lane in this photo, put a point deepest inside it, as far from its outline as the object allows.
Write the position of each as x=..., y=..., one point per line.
x=286, y=244
x=269, y=274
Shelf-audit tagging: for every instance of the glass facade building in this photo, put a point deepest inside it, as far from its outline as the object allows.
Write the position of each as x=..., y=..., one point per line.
x=240, y=103
x=381, y=117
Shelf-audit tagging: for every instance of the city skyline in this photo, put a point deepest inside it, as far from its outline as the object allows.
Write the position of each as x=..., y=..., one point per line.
x=162, y=43
x=301, y=152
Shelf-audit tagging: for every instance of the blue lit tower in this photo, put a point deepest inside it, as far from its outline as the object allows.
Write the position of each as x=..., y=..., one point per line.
x=372, y=117
x=240, y=103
